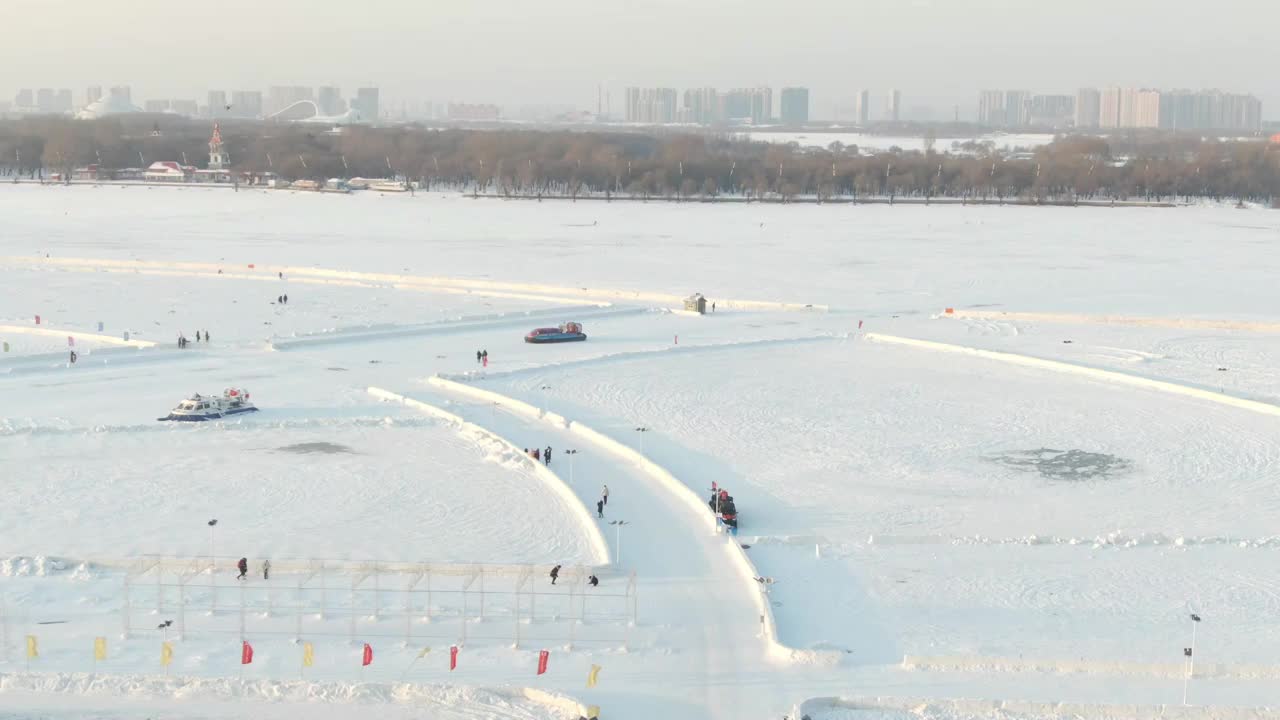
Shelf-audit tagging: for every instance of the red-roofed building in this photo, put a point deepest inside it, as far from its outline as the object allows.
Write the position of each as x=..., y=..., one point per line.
x=166, y=171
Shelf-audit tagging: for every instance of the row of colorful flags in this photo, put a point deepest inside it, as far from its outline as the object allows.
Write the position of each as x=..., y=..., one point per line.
x=308, y=656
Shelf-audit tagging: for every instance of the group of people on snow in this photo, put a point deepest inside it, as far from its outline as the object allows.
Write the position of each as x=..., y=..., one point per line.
x=592, y=580
x=482, y=357
x=540, y=455
x=183, y=341
x=243, y=567
x=282, y=299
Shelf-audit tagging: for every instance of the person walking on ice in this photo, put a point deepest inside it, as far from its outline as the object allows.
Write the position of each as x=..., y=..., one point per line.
x=477, y=357
x=593, y=581
x=555, y=574
x=546, y=455
x=243, y=567
x=266, y=569
x=604, y=495
x=600, y=508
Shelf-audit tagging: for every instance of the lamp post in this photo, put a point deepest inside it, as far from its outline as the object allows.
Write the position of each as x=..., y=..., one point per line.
x=617, y=540
x=212, y=561
x=570, y=453
x=642, y=431
x=1190, y=653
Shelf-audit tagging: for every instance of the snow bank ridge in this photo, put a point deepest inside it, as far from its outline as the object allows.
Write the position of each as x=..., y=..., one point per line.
x=385, y=332
x=818, y=708
x=493, y=288
x=1109, y=376
x=599, y=548
x=1082, y=319
x=733, y=551
x=634, y=354
x=500, y=700
x=1120, y=668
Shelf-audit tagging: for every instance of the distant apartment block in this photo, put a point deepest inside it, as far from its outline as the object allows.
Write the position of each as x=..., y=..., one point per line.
x=1052, y=110
x=701, y=106
x=474, y=111
x=93, y=94
x=1174, y=110
x=246, y=104
x=329, y=101
x=156, y=106
x=991, y=108
x=1088, y=107
x=794, y=108
x=188, y=108
x=651, y=105
x=366, y=103
x=893, y=112
x=280, y=97
x=218, y=105
x=862, y=107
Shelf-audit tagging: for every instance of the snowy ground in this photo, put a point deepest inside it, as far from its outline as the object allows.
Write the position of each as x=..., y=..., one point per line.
x=1019, y=530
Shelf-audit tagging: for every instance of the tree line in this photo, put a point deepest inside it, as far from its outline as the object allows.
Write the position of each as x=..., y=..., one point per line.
x=659, y=165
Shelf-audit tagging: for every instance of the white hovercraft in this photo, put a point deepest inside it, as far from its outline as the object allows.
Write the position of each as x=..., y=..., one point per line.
x=201, y=408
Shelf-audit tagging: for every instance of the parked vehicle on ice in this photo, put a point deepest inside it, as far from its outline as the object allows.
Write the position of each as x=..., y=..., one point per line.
x=568, y=332
x=199, y=408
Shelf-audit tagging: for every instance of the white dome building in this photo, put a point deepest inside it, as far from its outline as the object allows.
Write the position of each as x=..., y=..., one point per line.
x=111, y=104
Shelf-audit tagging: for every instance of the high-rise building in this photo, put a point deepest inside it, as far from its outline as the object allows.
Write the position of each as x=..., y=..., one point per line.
x=366, y=103
x=62, y=101
x=1017, y=108
x=122, y=93
x=329, y=100
x=894, y=111
x=653, y=106
x=45, y=100
x=156, y=106
x=246, y=103
x=188, y=108
x=701, y=106
x=1109, y=101
x=1088, y=107
x=1052, y=110
x=93, y=94
x=218, y=104
x=794, y=109
x=991, y=108
x=25, y=99
x=1146, y=109
x=747, y=105
x=280, y=97
x=862, y=107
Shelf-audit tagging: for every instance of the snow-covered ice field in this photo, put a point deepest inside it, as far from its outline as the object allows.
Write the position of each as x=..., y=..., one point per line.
x=1008, y=510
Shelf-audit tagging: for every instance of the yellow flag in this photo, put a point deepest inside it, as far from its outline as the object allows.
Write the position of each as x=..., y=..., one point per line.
x=593, y=711
x=308, y=655
x=166, y=654
x=424, y=652
x=100, y=648
x=593, y=676
x=33, y=647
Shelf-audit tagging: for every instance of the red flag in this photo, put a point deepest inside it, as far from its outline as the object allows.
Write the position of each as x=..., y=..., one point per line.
x=71, y=342
x=37, y=319
x=859, y=324
x=246, y=653
x=368, y=655
x=453, y=658
x=542, y=661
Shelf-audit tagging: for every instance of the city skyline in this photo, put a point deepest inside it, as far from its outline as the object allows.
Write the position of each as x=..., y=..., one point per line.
x=929, y=49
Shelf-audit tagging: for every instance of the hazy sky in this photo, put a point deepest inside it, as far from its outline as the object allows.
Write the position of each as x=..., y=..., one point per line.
x=938, y=52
